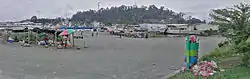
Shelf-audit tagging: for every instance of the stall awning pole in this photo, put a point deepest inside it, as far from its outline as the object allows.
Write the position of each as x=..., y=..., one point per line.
x=73, y=39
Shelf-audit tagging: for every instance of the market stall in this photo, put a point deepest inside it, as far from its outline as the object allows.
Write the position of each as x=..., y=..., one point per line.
x=65, y=39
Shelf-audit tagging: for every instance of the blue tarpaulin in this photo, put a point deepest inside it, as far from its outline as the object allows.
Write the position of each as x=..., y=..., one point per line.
x=76, y=27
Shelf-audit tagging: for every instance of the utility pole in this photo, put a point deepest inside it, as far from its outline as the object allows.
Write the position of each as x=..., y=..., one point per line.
x=135, y=4
x=38, y=13
x=67, y=13
x=66, y=18
x=28, y=35
x=14, y=19
x=242, y=1
x=98, y=10
x=98, y=4
x=134, y=16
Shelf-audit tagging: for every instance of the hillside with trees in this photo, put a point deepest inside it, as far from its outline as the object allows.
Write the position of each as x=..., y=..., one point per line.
x=132, y=15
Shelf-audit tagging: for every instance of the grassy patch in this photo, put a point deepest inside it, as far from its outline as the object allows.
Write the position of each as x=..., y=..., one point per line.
x=226, y=59
x=220, y=53
x=232, y=71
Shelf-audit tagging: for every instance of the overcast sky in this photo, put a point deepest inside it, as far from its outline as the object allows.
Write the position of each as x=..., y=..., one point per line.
x=23, y=9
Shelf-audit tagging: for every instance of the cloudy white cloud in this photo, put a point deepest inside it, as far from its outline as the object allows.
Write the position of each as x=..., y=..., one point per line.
x=22, y=9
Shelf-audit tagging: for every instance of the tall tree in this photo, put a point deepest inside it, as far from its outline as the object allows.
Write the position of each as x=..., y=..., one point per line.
x=233, y=22
x=33, y=19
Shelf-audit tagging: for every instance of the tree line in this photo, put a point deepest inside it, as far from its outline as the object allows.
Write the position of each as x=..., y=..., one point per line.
x=133, y=15
x=124, y=15
x=234, y=24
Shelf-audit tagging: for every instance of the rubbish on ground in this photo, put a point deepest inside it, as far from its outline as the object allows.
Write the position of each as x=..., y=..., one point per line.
x=78, y=48
x=26, y=45
x=205, y=68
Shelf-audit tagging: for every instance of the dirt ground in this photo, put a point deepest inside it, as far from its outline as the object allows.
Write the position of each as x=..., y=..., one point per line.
x=108, y=57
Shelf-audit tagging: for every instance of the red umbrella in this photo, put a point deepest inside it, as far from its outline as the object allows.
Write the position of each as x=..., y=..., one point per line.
x=66, y=32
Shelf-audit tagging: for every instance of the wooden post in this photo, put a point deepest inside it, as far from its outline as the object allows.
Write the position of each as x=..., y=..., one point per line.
x=73, y=40
x=37, y=36
x=28, y=36
x=31, y=35
x=55, y=38
x=5, y=36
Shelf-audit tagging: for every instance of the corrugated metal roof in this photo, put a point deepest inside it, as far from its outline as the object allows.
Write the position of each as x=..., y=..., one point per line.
x=207, y=27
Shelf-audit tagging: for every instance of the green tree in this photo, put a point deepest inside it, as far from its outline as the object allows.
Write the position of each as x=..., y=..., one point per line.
x=233, y=22
x=234, y=25
x=33, y=19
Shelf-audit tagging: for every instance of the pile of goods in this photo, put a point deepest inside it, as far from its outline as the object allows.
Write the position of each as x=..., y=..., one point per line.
x=24, y=43
x=205, y=68
x=10, y=40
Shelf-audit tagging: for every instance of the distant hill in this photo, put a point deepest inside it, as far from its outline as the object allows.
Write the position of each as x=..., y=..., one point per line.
x=132, y=15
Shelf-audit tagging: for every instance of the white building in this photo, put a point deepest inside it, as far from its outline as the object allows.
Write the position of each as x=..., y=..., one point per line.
x=28, y=24
x=178, y=28
x=96, y=24
x=203, y=27
x=184, y=28
x=154, y=27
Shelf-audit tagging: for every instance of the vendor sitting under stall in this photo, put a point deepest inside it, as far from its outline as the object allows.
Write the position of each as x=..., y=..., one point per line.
x=64, y=41
x=46, y=40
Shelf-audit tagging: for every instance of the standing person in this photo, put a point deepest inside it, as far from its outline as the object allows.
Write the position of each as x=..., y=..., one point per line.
x=120, y=35
x=146, y=35
x=96, y=33
x=92, y=34
x=46, y=40
x=65, y=39
x=16, y=39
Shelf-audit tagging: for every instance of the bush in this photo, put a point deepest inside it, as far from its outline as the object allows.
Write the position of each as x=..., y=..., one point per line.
x=225, y=43
x=243, y=48
x=245, y=60
x=221, y=52
x=220, y=44
x=206, y=58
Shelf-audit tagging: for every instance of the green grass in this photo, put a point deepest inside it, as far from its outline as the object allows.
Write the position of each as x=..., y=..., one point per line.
x=226, y=59
x=232, y=72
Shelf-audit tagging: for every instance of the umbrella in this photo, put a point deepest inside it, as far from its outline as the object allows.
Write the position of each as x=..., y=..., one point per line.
x=66, y=32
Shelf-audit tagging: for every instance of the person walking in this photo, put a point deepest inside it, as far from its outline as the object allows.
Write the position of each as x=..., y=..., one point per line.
x=120, y=35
